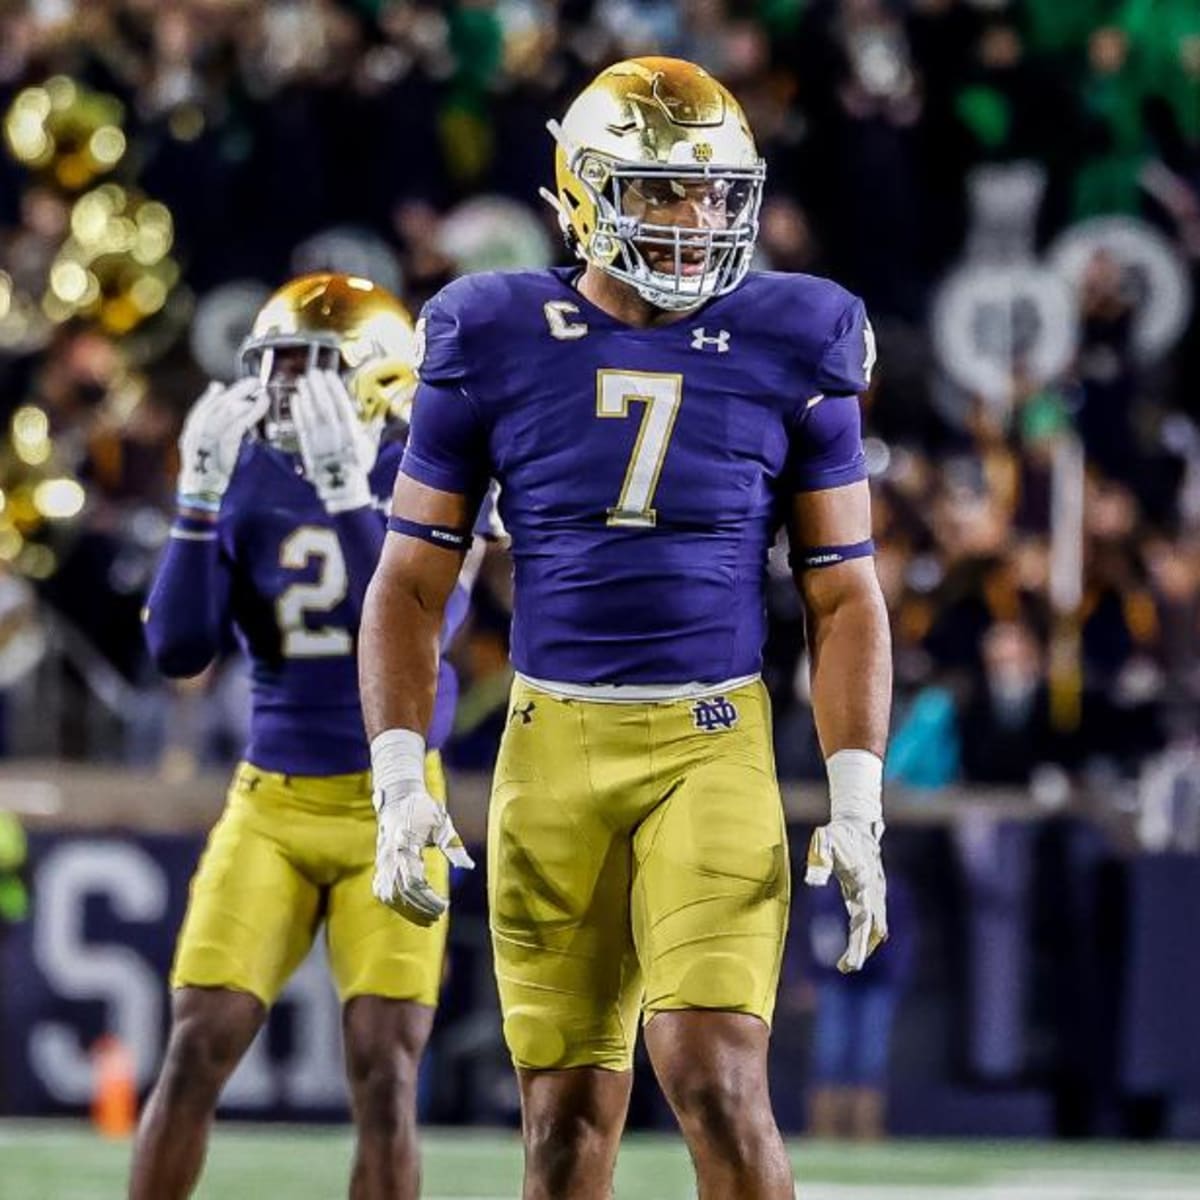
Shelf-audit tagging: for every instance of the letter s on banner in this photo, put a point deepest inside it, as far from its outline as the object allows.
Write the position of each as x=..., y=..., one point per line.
x=136, y=888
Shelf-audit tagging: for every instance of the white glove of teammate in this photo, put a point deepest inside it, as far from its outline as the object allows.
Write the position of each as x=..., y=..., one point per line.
x=336, y=448
x=409, y=819
x=212, y=437
x=848, y=848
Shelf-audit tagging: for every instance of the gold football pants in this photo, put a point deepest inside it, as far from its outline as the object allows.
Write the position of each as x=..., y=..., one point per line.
x=637, y=862
x=289, y=853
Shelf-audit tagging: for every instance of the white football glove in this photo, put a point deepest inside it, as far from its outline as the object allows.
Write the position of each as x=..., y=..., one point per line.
x=850, y=851
x=848, y=847
x=409, y=820
x=212, y=437
x=337, y=449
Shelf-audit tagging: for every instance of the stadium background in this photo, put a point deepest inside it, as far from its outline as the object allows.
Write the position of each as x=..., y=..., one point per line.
x=1014, y=188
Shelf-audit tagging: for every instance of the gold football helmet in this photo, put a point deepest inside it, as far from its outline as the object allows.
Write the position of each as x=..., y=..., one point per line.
x=650, y=141
x=339, y=323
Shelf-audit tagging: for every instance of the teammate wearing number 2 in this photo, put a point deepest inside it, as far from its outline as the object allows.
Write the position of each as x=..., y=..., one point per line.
x=652, y=419
x=276, y=537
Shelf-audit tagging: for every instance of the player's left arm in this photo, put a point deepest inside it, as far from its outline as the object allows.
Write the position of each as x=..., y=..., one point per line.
x=851, y=678
x=848, y=632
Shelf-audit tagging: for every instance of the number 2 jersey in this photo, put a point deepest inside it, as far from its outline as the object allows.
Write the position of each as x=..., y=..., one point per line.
x=643, y=473
x=286, y=581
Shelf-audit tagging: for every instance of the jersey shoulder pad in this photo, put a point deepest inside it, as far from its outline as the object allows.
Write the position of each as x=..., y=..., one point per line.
x=468, y=320
x=825, y=325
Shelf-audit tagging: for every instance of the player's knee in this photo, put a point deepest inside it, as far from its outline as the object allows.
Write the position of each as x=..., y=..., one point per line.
x=716, y=1109
x=563, y=1146
x=383, y=1083
x=201, y=1055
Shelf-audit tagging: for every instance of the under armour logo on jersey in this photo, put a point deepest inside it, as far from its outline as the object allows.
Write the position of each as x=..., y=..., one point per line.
x=526, y=713
x=336, y=477
x=714, y=714
x=719, y=342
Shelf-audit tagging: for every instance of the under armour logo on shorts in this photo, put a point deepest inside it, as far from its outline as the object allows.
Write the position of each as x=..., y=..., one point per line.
x=526, y=714
x=714, y=714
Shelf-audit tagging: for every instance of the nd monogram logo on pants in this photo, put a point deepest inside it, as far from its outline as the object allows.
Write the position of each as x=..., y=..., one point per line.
x=714, y=714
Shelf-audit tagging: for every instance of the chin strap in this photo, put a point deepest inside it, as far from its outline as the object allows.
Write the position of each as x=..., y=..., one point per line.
x=556, y=204
x=564, y=222
x=668, y=302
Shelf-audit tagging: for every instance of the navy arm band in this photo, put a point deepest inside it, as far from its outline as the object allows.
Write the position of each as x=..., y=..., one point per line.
x=812, y=557
x=439, y=535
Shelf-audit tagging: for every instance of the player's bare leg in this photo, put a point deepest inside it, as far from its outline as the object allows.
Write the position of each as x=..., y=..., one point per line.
x=571, y=1121
x=712, y=1067
x=211, y=1028
x=384, y=1040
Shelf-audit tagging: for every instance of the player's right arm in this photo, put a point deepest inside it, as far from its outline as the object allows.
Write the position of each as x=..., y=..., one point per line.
x=442, y=477
x=186, y=613
x=405, y=607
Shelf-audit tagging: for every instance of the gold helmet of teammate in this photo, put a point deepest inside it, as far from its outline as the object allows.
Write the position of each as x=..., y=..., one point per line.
x=659, y=181
x=338, y=323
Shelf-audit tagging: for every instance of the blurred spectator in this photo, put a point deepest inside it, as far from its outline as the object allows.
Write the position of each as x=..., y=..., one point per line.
x=925, y=751
x=853, y=1014
x=1006, y=729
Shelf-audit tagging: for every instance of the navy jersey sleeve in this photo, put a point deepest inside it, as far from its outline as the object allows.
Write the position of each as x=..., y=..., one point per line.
x=848, y=355
x=187, y=612
x=447, y=445
x=826, y=448
x=447, y=441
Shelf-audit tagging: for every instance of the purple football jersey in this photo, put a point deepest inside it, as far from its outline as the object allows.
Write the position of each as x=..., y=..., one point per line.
x=287, y=581
x=643, y=472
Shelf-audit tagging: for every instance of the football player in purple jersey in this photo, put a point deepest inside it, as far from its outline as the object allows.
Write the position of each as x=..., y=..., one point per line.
x=653, y=418
x=274, y=542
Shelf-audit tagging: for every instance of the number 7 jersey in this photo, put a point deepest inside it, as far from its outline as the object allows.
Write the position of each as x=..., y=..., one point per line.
x=643, y=472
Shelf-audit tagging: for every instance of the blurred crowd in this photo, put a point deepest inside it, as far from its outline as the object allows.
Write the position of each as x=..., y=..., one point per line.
x=405, y=140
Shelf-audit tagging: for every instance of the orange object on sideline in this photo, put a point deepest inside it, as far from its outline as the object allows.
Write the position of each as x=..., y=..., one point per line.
x=114, y=1088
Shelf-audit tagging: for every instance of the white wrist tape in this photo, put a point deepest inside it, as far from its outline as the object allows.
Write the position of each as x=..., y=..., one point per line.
x=855, y=786
x=397, y=757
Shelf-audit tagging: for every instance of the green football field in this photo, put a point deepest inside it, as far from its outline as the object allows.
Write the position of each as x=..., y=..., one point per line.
x=66, y=1162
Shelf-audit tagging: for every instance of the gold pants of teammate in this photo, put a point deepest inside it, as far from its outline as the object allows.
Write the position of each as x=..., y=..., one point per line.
x=289, y=853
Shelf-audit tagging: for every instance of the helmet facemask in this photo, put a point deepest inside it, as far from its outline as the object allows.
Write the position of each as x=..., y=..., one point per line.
x=278, y=366
x=274, y=361
x=672, y=266
x=340, y=323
